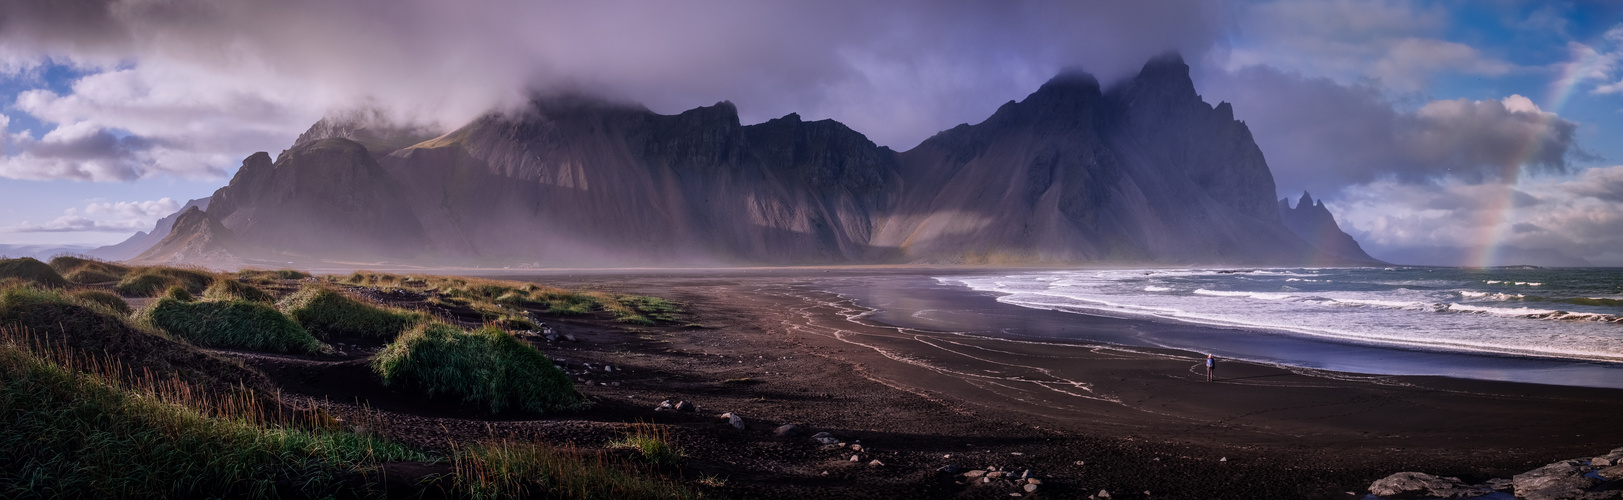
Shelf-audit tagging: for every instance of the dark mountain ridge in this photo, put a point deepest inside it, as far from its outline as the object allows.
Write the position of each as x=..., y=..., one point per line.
x=1143, y=172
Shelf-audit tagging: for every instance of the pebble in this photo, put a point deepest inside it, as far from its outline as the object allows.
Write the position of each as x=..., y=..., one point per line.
x=733, y=420
x=974, y=474
x=856, y=447
x=876, y=463
x=1030, y=488
x=948, y=469
x=855, y=459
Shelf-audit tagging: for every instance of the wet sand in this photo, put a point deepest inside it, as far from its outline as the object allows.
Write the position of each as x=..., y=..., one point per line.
x=1120, y=410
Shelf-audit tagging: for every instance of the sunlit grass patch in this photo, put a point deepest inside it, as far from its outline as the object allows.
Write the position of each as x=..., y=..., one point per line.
x=485, y=367
x=327, y=313
x=653, y=443
x=151, y=281
x=31, y=270
x=73, y=430
x=85, y=270
x=230, y=289
x=237, y=324
x=520, y=470
x=106, y=299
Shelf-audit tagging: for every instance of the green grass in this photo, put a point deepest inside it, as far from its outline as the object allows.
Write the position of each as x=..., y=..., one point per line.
x=152, y=281
x=327, y=313
x=106, y=299
x=277, y=275
x=520, y=470
x=85, y=435
x=485, y=367
x=85, y=270
x=648, y=310
x=237, y=324
x=230, y=289
x=653, y=443
x=31, y=270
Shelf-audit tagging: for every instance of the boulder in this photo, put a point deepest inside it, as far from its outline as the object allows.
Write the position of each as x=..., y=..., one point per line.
x=876, y=463
x=787, y=430
x=825, y=438
x=974, y=474
x=1419, y=484
x=1615, y=457
x=733, y=420
x=1612, y=473
x=1560, y=480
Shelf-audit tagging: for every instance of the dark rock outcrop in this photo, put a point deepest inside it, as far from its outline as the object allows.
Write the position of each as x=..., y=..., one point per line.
x=325, y=199
x=196, y=237
x=1146, y=172
x=1314, y=223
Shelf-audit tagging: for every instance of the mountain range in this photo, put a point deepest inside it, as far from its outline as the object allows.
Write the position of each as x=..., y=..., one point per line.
x=1142, y=172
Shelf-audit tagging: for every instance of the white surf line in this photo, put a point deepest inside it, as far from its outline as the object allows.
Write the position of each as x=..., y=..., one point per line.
x=855, y=312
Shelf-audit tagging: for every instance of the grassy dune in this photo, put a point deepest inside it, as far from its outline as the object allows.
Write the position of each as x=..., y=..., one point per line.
x=236, y=324
x=101, y=403
x=485, y=367
x=30, y=270
x=327, y=313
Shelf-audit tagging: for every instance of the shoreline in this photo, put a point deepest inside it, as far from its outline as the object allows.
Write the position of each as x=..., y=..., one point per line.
x=1121, y=386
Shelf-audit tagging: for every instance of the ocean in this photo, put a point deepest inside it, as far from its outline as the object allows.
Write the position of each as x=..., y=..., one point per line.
x=1547, y=326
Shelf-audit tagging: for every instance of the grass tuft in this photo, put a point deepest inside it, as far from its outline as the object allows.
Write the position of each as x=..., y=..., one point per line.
x=84, y=270
x=85, y=435
x=236, y=324
x=105, y=299
x=327, y=313
x=179, y=293
x=230, y=289
x=521, y=470
x=485, y=367
x=31, y=270
x=653, y=443
x=152, y=281
x=277, y=275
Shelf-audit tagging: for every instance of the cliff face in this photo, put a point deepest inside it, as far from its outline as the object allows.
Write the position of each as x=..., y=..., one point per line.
x=196, y=237
x=323, y=199
x=576, y=181
x=1314, y=223
x=1144, y=172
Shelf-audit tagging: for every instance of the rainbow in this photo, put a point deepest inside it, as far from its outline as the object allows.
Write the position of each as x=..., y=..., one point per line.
x=1500, y=214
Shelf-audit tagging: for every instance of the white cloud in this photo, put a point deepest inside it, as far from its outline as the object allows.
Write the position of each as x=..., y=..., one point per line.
x=111, y=217
x=135, y=209
x=78, y=224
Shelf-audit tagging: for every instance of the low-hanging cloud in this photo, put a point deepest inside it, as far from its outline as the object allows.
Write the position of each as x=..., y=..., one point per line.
x=1323, y=136
x=262, y=70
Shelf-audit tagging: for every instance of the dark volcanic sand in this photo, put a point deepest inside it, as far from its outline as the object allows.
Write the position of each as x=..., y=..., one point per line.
x=1136, y=419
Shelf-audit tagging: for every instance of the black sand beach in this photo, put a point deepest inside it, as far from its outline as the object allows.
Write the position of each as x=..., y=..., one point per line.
x=1135, y=418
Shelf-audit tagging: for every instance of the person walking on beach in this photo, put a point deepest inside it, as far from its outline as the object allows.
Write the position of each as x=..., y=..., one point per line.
x=1211, y=368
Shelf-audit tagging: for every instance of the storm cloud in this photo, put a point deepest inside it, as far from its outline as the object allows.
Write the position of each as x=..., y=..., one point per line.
x=898, y=71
